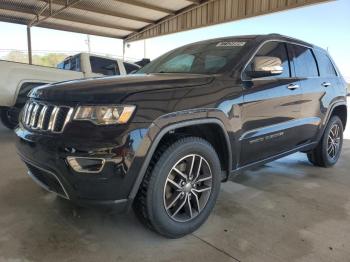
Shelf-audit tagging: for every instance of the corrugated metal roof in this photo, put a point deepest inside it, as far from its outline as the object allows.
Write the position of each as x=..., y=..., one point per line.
x=136, y=19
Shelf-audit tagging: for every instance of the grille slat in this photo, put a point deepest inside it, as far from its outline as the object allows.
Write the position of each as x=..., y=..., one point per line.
x=45, y=117
x=29, y=111
x=42, y=117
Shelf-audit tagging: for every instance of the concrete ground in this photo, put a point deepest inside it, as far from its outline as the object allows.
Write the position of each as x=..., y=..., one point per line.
x=287, y=210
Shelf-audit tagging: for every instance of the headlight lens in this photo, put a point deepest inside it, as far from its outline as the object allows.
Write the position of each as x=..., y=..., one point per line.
x=105, y=115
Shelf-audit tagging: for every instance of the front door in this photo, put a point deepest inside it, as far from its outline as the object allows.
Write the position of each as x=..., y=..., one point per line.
x=271, y=109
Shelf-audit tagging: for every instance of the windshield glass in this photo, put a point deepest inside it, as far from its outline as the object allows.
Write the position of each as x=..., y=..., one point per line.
x=202, y=58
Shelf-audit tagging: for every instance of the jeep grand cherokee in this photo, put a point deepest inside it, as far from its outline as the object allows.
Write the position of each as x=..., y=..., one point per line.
x=163, y=140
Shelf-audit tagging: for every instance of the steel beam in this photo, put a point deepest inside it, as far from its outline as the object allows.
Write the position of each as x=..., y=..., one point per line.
x=55, y=13
x=212, y=12
x=98, y=11
x=29, y=41
x=45, y=12
x=147, y=6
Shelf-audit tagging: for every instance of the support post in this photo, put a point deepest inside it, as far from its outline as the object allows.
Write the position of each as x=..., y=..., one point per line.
x=29, y=41
x=124, y=50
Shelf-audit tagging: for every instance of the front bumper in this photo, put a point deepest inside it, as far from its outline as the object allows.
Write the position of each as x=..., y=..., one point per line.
x=46, y=157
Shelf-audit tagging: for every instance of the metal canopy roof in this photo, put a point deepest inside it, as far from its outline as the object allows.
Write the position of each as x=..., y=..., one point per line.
x=136, y=19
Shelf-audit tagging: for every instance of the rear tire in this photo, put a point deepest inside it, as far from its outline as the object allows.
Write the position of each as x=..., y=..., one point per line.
x=180, y=187
x=9, y=117
x=328, y=150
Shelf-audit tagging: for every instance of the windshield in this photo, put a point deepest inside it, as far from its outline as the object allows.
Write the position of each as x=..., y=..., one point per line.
x=201, y=58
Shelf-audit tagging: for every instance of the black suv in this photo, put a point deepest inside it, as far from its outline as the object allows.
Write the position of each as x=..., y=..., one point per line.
x=162, y=140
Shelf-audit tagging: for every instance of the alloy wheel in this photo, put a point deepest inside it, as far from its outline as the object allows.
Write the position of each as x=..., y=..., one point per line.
x=187, y=188
x=333, y=141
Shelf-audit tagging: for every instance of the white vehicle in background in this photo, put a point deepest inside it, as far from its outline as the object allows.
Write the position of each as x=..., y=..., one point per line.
x=17, y=79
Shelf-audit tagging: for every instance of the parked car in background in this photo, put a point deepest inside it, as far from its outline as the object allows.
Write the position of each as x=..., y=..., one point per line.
x=17, y=79
x=164, y=139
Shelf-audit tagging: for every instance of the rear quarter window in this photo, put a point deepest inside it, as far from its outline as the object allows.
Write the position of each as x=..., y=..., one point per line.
x=325, y=64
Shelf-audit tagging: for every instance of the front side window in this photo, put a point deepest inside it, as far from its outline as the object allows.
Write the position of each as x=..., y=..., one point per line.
x=202, y=58
x=305, y=63
x=325, y=65
x=271, y=49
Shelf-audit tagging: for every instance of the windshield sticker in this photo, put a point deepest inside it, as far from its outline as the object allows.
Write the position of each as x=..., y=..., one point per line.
x=224, y=44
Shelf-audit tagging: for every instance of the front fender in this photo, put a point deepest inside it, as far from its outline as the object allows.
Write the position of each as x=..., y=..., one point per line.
x=163, y=125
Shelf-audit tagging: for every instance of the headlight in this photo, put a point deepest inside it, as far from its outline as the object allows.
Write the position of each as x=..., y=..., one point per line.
x=104, y=115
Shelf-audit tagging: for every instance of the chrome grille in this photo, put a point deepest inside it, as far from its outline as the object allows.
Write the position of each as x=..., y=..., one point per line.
x=45, y=117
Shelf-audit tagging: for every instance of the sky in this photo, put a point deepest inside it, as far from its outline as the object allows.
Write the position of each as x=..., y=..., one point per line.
x=326, y=25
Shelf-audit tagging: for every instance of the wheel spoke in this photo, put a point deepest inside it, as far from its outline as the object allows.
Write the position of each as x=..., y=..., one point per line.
x=336, y=131
x=197, y=201
x=174, y=183
x=334, y=150
x=180, y=173
x=189, y=206
x=180, y=207
x=203, y=179
x=174, y=201
x=198, y=169
x=202, y=189
x=329, y=149
x=192, y=164
x=331, y=135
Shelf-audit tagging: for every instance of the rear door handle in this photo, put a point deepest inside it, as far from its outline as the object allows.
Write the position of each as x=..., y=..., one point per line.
x=293, y=86
x=326, y=84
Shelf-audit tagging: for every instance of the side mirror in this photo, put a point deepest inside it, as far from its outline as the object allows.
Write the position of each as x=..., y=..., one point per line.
x=263, y=66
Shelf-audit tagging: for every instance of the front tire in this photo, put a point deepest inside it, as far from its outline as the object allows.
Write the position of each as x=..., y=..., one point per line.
x=328, y=150
x=9, y=117
x=180, y=187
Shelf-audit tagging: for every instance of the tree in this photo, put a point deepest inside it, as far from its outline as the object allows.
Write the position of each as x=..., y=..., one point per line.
x=50, y=59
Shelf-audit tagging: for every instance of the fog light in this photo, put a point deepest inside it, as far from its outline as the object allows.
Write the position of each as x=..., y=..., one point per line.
x=86, y=164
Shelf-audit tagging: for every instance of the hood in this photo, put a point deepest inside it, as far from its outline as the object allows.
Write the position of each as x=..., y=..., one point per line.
x=114, y=89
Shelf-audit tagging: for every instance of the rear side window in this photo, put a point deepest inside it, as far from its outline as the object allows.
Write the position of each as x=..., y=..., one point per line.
x=305, y=63
x=104, y=66
x=325, y=65
x=274, y=49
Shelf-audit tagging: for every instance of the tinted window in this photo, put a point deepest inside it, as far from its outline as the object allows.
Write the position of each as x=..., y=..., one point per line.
x=75, y=64
x=104, y=66
x=130, y=67
x=274, y=49
x=72, y=63
x=324, y=64
x=305, y=63
x=180, y=63
x=208, y=57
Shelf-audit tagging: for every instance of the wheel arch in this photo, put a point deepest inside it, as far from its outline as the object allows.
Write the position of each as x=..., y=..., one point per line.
x=24, y=89
x=179, y=127
x=340, y=111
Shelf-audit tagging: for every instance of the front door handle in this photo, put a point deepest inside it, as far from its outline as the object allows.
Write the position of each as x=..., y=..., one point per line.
x=293, y=86
x=326, y=84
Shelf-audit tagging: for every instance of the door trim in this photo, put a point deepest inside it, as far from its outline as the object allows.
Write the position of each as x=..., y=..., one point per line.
x=279, y=127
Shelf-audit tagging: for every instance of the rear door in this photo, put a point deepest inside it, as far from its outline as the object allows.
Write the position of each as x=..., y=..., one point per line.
x=271, y=109
x=316, y=89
